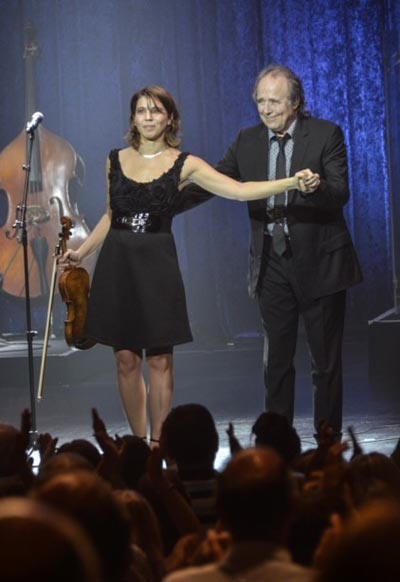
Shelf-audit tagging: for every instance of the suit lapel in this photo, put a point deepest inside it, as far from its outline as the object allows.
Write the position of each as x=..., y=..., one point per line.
x=259, y=156
x=301, y=142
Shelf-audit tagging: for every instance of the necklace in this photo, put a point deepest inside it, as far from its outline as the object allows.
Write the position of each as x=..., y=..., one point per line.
x=151, y=156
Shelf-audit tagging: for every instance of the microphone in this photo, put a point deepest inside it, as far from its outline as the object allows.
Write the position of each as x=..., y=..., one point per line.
x=36, y=118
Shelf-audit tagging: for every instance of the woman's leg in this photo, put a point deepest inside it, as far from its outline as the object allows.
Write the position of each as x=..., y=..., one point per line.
x=132, y=389
x=161, y=381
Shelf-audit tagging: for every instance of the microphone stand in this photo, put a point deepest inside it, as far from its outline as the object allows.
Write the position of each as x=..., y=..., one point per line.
x=22, y=236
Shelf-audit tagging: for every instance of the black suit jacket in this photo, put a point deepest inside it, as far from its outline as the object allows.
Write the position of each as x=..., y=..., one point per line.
x=324, y=257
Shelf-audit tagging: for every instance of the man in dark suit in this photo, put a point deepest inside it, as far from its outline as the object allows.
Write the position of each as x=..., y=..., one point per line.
x=302, y=258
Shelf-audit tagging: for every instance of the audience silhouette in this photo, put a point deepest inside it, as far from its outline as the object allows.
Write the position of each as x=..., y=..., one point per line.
x=110, y=509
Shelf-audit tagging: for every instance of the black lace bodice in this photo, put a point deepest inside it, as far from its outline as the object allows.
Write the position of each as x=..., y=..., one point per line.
x=158, y=197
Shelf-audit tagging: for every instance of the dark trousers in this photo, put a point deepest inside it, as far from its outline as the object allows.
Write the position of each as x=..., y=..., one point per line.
x=281, y=304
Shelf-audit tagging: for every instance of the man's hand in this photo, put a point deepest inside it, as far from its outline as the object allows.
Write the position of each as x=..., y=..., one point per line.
x=310, y=181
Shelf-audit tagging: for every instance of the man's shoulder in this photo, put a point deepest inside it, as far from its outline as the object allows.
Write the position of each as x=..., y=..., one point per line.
x=310, y=124
x=254, y=130
x=251, y=137
x=318, y=124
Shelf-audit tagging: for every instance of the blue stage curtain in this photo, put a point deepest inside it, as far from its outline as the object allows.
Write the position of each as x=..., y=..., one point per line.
x=96, y=53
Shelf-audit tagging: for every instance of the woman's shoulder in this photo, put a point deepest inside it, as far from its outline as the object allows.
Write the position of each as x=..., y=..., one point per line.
x=118, y=156
x=113, y=155
x=173, y=154
x=193, y=162
x=180, y=160
x=174, y=159
x=119, y=152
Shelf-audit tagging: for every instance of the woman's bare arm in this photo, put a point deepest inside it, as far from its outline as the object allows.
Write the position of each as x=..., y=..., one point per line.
x=96, y=237
x=198, y=171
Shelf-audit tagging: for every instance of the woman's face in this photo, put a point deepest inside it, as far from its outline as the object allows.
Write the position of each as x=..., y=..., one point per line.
x=151, y=119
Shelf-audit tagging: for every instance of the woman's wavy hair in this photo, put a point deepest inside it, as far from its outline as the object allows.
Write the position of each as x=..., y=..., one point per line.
x=161, y=95
x=296, y=91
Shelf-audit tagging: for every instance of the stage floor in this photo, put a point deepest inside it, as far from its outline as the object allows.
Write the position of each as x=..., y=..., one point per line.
x=227, y=378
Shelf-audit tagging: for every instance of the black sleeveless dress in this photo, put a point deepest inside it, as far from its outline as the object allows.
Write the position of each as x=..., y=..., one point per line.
x=137, y=297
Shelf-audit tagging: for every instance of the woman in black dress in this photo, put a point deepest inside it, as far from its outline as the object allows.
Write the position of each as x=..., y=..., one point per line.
x=137, y=303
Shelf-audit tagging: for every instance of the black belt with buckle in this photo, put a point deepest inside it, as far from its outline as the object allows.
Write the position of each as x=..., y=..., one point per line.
x=142, y=222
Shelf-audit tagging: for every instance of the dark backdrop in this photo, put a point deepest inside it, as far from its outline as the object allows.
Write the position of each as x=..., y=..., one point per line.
x=96, y=53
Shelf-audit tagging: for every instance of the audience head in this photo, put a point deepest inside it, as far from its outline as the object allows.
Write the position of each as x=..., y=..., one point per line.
x=62, y=463
x=9, y=436
x=189, y=436
x=82, y=447
x=374, y=475
x=86, y=497
x=311, y=519
x=143, y=521
x=274, y=430
x=145, y=529
x=15, y=471
x=255, y=496
x=367, y=548
x=39, y=544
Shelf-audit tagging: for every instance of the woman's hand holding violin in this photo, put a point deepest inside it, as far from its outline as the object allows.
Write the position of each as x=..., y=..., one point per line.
x=70, y=258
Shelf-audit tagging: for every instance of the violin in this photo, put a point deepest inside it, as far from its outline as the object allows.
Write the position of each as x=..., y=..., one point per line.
x=74, y=287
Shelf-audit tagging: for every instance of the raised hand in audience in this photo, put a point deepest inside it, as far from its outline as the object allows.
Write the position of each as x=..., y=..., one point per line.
x=234, y=444
x=110, y=465
x=183, y=552
x=212, y=548
x=325, y=435
x=357, y=449
x=197, y=549
x=395, y=456
x=171, y=493
x=329, y=539
x=47, y=446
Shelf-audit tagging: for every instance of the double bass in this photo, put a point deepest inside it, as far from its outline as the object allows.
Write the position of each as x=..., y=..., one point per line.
x=54, y=166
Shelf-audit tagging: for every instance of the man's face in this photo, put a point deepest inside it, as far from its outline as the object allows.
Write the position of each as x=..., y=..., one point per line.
x=273, y=104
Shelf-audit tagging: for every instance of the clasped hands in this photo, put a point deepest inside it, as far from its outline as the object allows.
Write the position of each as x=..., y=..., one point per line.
x=308, y=181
